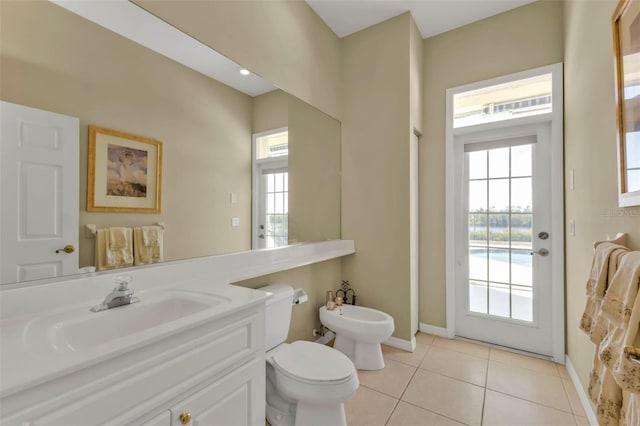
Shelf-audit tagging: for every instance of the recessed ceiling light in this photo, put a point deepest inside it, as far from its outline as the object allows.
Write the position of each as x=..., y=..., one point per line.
x=244, y=71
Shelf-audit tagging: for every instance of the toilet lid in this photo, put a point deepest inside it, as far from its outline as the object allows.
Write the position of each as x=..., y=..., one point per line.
x=314, y=362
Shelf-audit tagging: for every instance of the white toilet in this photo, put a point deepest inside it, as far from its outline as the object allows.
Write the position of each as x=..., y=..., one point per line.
x=359, y=332
x=307, y=383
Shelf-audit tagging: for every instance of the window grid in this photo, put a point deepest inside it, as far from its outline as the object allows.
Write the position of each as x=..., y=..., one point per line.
x=489, y=245
x=276, y=230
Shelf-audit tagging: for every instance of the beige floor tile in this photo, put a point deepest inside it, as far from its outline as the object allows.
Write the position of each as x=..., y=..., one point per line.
x=562, y=370
x=527, y=384
x=574, y=399
x=457, y=365
x=410, y=358
x=535, y=364
x=505, y=410
x=424, y=338
x=461, y=346
x=369, y=408
x=446, y=396
x=410, y=415
x=582, y=421
x=392, y=379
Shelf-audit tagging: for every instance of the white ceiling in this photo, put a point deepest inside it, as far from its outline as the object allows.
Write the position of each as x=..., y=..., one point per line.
x=433, y=17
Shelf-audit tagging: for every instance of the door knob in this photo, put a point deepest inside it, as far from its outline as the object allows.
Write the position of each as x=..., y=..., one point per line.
x=541, y=252
x=185, y=418
x=69, y=248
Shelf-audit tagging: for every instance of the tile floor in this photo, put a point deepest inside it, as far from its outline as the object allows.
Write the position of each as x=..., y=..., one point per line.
x=450, y=382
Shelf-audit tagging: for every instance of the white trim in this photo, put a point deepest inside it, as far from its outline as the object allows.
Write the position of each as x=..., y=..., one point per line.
x=557, y=195
x=405, y=345
x=436, y=331
x=584, y=399
x=328, y=336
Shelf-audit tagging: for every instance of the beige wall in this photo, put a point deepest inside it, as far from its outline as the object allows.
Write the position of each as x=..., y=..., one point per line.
x=284, y=42
x=72, y=66
x=314, y=174
x=590, y=150
x=270, y=111
x=375, y=167
x=523, y=38
x=315, y=279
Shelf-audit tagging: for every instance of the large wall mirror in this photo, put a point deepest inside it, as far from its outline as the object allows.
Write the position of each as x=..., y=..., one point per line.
x=55, y=60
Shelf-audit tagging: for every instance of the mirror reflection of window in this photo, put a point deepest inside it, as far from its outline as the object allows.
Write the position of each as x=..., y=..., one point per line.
x=271, y=189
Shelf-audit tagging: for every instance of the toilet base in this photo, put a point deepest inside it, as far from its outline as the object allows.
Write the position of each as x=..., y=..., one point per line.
x=320, y=414
x=365, y=355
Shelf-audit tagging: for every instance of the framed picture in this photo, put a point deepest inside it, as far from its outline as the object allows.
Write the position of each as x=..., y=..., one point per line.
x=124, y=172
x=626, y=42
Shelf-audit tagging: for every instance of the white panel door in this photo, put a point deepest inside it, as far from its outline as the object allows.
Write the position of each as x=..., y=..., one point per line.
x=39, y=163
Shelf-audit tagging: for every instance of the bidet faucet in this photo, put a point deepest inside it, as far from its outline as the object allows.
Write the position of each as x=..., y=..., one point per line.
x=119, y=296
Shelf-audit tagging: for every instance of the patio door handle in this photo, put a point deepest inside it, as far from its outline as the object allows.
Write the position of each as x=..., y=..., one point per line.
x=541, y=252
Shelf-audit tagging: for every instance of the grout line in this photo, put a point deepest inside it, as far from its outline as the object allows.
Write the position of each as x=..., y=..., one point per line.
x=534, y=402
x=484, y=396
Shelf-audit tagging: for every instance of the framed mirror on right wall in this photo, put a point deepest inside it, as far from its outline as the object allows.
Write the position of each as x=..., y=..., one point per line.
x=626, y=43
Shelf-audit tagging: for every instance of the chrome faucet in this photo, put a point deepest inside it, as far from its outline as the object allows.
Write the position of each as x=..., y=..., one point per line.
x=121, y=295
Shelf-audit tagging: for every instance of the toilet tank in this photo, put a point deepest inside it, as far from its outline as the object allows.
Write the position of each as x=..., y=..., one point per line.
x=277, y=314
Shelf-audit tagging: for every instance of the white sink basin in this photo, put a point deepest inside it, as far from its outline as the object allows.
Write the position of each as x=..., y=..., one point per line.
x=78, y=329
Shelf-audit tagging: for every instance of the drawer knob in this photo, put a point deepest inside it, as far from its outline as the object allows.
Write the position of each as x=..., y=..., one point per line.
x=185, y=418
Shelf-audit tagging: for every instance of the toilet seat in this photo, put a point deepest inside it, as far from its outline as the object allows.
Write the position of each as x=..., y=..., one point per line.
x=312, y=363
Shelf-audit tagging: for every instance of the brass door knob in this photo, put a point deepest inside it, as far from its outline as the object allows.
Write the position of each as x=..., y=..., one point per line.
x=185, y=418
x=69, y=248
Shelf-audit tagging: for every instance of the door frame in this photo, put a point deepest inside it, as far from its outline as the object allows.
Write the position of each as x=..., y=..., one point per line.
x=256, y=174
x=556, y=197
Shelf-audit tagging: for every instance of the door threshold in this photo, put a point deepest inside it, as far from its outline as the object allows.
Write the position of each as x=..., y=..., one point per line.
x=505, y=348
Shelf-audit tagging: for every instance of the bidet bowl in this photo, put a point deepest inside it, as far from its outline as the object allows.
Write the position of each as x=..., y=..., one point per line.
x=359, y=332
x=358, y=322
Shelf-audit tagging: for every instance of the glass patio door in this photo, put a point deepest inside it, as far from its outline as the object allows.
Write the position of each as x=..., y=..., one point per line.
x=503, y=289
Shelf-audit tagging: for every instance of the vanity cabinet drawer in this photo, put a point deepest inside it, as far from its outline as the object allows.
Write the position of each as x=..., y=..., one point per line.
x=136, y=387
x=227, y=401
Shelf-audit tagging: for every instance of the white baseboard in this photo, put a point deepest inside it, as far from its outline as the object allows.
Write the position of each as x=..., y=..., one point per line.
x=436, y=331
x=584, y=399
x=405, y=345
x=323, y=340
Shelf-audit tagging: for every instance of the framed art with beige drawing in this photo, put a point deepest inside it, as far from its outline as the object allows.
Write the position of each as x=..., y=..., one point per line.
x=626, y=43
x=124, y=172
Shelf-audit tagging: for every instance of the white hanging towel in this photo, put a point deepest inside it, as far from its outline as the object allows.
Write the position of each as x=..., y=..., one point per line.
x=148, y=244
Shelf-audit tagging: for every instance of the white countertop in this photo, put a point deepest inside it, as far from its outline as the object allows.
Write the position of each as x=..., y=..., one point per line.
x=32, y=318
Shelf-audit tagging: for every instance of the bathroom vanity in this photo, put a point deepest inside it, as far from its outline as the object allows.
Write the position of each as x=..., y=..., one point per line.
x=192, y=350
x=206, y=365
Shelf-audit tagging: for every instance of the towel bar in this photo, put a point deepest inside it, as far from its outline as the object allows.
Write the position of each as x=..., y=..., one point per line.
x=621, y=239
x=90, y=229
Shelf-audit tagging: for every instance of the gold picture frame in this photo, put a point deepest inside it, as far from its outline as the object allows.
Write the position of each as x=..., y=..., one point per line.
x=626, y=43
x=124, y=172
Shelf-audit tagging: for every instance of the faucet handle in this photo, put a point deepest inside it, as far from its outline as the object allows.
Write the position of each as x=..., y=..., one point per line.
x=122, y=281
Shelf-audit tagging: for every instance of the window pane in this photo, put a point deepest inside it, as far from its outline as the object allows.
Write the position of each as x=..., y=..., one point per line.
x=499, y=230
x=521, y=267
x=478, y=297
x=521, y=160
x=274, y=145
x=478, y=229
x=515, y=99
x=521, y=231
x=271, y=203
x=522, y=303
x=478, y=196
x=499, y=195
x=279, y=177
x=499, y=163
x=521, y=194
x=478, y=264
x=478, y=165
x=499, y=299
x=279, y=202
x=499, y=265
x=271, y=182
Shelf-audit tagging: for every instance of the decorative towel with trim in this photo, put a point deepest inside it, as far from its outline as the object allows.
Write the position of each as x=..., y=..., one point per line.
x=148, y=244
x=113, y=250
x=596, y=288
x=616, y=308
